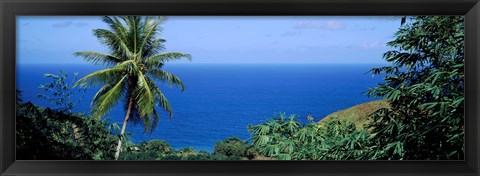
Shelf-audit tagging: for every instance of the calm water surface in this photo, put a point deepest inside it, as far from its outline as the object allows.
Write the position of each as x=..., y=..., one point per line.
x=221, y=100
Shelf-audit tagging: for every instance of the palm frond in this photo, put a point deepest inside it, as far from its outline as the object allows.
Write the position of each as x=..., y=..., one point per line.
x=144, y=96
x=108, y=100
x=98, y=77
x=160, y=99
x=149, y=122
x=116, y=25
x=153, y=47
x=98, y=58
x=118, y=45
x=133, y=34
x=165, y=76
x=166, y=57
x=101, y=92
x=104, y=89
x=103, y=76
x=151, y=26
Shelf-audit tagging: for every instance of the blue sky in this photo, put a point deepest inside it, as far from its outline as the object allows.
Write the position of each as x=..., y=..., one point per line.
x=225, y=39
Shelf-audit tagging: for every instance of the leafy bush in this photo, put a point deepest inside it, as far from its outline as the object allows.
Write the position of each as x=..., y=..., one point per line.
x=286, y=139
x=425, y=87
x=159, y=146
x=161, y=150
x=232, y=146
x=186, y=151
x=140, y=155
x=46, y=134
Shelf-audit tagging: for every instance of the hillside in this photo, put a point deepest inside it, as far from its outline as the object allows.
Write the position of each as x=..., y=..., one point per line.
x=358, y=113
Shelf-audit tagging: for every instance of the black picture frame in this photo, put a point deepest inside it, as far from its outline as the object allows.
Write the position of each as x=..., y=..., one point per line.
x=11, y=8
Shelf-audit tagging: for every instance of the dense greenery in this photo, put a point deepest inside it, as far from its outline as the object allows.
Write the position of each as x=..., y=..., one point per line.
x=161, y=150
x=232, y=146
x=424, y=119
x=44, y=133
x=58, y=133
x=421, y=116
x=135, y=63
x=425, y=87
x=47, y=134
x=285, y=139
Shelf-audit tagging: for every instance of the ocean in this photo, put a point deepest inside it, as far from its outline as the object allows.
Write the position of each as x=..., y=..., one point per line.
x=221, y=100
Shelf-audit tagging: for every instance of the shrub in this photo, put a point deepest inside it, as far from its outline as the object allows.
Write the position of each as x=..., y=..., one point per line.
x=46, y=134
x=425, y=87
x=232, y=146
x=286, y=139
x=159, y=146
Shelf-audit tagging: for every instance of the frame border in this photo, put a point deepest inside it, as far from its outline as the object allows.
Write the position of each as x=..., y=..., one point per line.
x=9, y=9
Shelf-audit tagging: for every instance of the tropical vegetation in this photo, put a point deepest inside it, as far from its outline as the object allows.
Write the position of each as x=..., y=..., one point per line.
x=424, y=119
x=425, y=87
x=135, y=61
x=419, y=114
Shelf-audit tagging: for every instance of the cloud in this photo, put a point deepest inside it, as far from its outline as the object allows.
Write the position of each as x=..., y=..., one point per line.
x=290, y=33
x=328, y=25
x=65, y=24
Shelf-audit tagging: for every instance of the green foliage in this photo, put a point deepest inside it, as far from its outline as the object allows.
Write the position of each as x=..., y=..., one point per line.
x=232, y=146
x=159, y=146
x=57, y=133
x=135, y=61
x=186, y=151
x=425, y=87
x=275, y=138
x=147, y=150
x=45, y=134
x=161, y=150
x=342, y=140
x=59, y=91
x=286, y=139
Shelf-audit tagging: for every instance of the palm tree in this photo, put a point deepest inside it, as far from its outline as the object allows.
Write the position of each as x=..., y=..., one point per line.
x=135, y=61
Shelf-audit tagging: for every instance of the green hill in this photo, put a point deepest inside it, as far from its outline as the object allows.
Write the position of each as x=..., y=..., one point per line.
x=358, y=113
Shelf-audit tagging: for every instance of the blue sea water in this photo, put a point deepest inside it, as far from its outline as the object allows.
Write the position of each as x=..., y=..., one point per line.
x=221, y=100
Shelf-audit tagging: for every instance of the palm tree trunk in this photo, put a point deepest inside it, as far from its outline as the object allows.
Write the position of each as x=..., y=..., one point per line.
x=124, y=126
